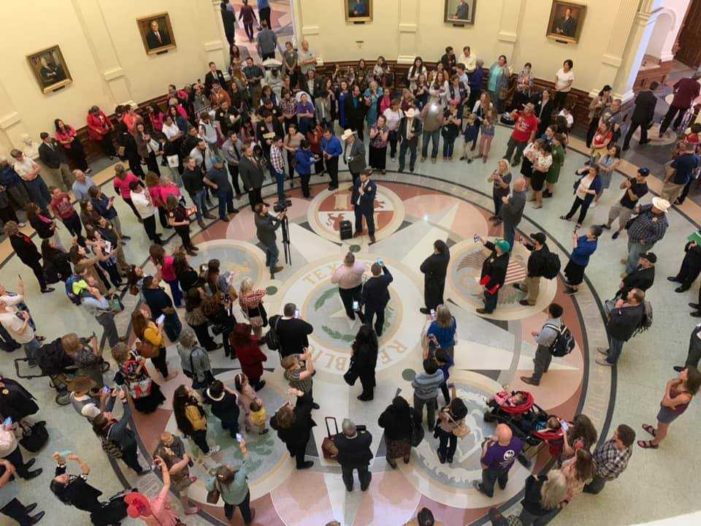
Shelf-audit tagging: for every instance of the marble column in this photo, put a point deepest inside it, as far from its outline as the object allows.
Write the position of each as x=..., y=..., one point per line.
x=12, y=129
x=507, y=35
x=217, y=50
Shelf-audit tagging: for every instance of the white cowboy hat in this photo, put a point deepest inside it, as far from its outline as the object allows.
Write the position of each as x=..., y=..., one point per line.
x=347, y=134
x=661, y=204
x=272, y=63
x=298, y=96
x=410, y=113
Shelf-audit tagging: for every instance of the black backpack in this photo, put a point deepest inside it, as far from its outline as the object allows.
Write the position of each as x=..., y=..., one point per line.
x=271, y=339
x=551, y=265
x=564, y=341
x=52, y=359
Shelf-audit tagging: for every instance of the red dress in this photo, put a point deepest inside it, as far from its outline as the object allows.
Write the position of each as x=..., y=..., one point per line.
x=251, y=358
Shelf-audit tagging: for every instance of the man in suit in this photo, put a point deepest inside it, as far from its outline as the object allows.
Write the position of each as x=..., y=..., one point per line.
x=375, y=295
x=54, y=157
x=213, y=75
x=268, y=125
x=363, y=200
x=463, y=11
x=157, y=37
x=252, y=175
x=643, y=114
x=409, y=132
x=566, y=26
x=353, y=153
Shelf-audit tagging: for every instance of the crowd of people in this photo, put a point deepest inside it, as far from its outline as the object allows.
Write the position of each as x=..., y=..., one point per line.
x=219, y=139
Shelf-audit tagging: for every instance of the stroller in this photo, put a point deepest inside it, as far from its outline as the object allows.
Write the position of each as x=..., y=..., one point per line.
x=527, y=420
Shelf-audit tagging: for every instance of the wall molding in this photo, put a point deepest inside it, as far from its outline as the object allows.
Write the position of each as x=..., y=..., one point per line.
x=310, y=30
x=113, y=73
x=408, y=28
x=9, y=120
x=507, y=36
x=612, y=60
x=212, y=45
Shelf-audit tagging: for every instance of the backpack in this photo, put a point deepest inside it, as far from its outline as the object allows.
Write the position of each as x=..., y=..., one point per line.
x=564, y=341
x=52, y=359
x=111, y=448
x=271, y=338
x=72, y=280
x=646, y=322
x=551, y=265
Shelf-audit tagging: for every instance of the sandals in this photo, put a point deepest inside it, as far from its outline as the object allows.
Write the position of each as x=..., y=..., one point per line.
x=647, y=444
x=650, y=429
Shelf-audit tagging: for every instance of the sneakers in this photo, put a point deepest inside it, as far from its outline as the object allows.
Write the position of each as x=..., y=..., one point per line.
x=192, y=510
x=213, y=450
x=603, y=351
x=603, y=362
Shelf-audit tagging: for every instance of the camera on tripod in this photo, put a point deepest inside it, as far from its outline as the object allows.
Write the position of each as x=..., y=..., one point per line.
x=281, y=206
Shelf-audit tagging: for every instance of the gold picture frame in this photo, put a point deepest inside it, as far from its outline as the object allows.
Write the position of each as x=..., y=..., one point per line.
x=159, y=38
x=50, y=69
x=358, y=11
x=566, y=21
x=460, y=12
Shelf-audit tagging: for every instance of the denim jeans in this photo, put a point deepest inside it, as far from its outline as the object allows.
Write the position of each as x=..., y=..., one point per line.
x=634, y=250
x=615, y=349
x=199, y=200
x=271, y=255
x=431, y=406
x=226, y=202
x=490, y=301
x=38, y=192
x=31, y=349
x=280, y=180
x=514, y=145
x=447, y=443
x=434, y=137
x=448, y=146
x=509, y=232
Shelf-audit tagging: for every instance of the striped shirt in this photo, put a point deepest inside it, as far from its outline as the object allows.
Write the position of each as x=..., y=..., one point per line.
x=276, y=159
x=426, y=385
x=648, y=227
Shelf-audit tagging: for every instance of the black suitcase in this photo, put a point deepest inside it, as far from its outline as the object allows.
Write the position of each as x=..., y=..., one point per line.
x=346, y=230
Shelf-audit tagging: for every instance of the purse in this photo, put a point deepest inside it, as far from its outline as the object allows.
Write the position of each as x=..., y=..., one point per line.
x=461, y=430
x=417, y=433
x=351, y=375
x=213, y=495
x=115, y=303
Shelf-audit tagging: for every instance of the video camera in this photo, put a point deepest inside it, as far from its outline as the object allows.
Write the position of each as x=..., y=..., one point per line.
x=281, y=206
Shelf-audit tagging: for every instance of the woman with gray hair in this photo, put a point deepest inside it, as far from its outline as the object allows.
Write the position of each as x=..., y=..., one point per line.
x=541, y=500
x=194, y=360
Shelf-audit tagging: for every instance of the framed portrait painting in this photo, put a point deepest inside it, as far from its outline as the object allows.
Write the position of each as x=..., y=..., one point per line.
x=566, y=21
x=460, y=12
x=50, y=69
x=156, y=33
x=358, y=11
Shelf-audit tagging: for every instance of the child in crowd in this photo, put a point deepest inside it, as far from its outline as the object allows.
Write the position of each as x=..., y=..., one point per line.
x=470, y=134
x=507, y=399
x=255, y=420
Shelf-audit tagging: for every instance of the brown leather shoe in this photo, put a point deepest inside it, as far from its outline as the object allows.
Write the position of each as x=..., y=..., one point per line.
x=277, y=269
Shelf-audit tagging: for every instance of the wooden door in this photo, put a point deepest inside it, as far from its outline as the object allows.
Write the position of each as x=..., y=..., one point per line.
x=690, y=37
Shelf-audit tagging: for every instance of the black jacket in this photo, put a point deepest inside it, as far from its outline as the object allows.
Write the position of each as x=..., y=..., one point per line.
x=157, y=300
x=25, y=249
x=226, y=409
x=366, y=202
x=397, y=426
x=354, y=452
x=375, y=294
x=79, y=493
x=494, y=269
x=641, y=278
x=52, y=157
x=364, y=362
x=18, y=403
x=209, y=80
x=416, y=128
x=293, y=335
x=251, y=173
x=537, y=261
x=644, y=109
x=434, y=269
x=625, y=321
x=297, y=435
x=531, y=496
x=265, y=228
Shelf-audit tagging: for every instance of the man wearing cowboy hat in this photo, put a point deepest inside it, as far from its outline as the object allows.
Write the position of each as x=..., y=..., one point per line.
x=409, y=132
x=493, y=272
x=646, y=229
x=353, y=153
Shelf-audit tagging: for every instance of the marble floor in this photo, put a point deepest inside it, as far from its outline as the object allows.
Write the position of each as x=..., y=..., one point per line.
x=452, y=201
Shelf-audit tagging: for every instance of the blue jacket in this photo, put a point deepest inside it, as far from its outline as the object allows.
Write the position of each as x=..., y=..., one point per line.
x=305, y=161
x=585, y=248
x=332, y=147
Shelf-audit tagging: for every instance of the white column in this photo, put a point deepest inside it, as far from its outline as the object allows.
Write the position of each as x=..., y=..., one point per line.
x=220, y=51
x=408, y=28
x=508, y=31
x=12, y=129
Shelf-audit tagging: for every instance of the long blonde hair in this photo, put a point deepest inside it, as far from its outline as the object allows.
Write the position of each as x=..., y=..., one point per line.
x=246, y=286
x=443, y=316
x=553, y=490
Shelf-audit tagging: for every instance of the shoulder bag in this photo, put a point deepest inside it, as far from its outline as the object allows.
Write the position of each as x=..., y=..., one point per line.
x=214, y=494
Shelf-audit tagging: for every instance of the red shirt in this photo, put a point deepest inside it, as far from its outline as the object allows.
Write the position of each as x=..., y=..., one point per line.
x=524, y=126
x=686, y=91
x=62, y=206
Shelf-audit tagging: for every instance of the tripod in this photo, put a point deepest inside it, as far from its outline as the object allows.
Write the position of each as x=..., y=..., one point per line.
x=285, y=227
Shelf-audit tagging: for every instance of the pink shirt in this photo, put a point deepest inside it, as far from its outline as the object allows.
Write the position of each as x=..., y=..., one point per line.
x=349, y=277
x=161, y=512
x=122, y=185
x=168, y=269
x=156, y=196
x=168, y=190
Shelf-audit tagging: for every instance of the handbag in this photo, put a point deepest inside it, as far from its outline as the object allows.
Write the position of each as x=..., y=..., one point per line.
x=351, y=375
x=140, y=388
x=115, y=303
x=461, y=430
x=630, y=222
x=33, y=437
x=328, y=446
x=173, y=161
x=417, y=433
x=213, y=495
